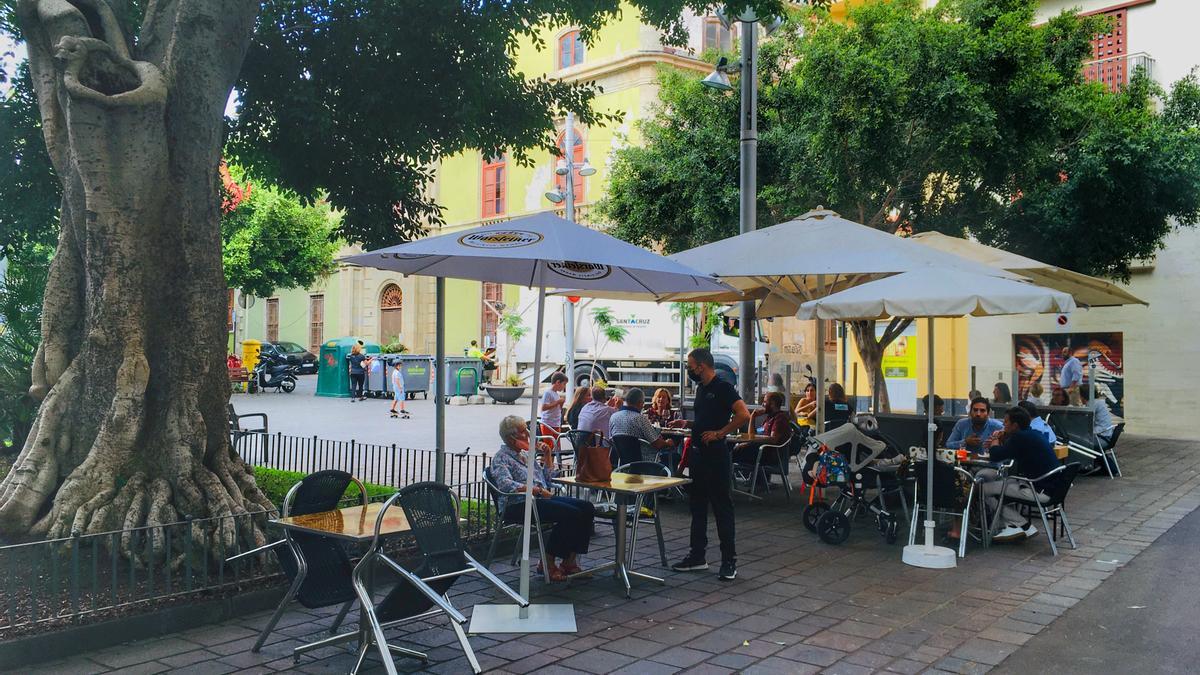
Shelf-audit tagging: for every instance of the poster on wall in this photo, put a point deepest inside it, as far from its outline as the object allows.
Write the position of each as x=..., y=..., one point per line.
x=899, y=365
x=1039, y=358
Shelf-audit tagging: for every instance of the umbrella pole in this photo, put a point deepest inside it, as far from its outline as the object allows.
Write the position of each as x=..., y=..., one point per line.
x=531, y=618
x=439, y=386
x=928, y=555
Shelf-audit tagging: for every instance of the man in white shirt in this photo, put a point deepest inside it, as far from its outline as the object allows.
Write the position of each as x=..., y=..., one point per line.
x=1102, y=419
x=552, y=403
x=1071, y=376
x=596, y=414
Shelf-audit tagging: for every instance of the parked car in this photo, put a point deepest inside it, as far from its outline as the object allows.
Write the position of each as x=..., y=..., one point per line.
x=304, y=360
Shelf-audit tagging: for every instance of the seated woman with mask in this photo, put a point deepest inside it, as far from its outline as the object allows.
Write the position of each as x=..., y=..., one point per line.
x=572, y=518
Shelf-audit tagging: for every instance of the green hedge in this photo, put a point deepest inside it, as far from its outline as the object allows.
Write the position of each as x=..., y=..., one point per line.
x=275, y=484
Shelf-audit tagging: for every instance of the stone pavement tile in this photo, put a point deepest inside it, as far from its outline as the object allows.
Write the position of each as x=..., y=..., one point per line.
x=860, y=629
x=758, y=648
x=708, y=669
x=808, y=625
x=78, y=665
x=123, y=656
x=211, y=635
x=984, y=651
x=758, y=623
x=530, y=663
x=955, y=665
x=840, y=641
x=807, y=653
x=906, y=667
x=598, y=661
x=634, y=646
x=1007, y=636
x=512, y=650
x=678, y=632
x=682, y=657
x=646, y=668
x=1008, y=623
x=844, y=667
x=868, y=659
x=207, y=668
x=736, y=661
x=712, y=617
x=188, y=658
x=778, y=666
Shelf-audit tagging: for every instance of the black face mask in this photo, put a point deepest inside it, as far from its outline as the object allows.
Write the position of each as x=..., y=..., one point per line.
x=692, y=375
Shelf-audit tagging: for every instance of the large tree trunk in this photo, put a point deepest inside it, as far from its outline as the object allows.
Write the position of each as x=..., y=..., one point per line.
x=870, y=352
x=132, y=430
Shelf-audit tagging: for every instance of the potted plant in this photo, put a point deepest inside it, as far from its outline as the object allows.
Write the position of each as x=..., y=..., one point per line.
x=509, y=392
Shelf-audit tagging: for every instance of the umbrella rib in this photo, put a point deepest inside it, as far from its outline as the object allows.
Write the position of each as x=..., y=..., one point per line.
x=639, y=283
x=422, y=268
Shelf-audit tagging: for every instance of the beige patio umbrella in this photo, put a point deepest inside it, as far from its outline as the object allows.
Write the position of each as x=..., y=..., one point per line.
x=1087, y=291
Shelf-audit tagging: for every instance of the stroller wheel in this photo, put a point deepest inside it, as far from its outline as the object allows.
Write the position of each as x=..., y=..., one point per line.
x=833, y=527
x=812, y=512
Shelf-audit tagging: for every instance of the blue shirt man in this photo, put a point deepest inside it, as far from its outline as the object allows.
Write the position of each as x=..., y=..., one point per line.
x=972, y=432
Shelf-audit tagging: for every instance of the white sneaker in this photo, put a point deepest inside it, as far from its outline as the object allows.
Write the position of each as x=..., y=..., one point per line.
x=1010, y=533
x=1030, y=531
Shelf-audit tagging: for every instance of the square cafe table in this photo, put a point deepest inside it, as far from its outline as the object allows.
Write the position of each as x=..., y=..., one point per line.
x=626, y=485
x=354, y=524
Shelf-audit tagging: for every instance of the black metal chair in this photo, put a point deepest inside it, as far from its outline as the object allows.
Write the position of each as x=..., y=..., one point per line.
x=946, y=499
x=1054, y=485
x=497, y=496
x=628, y=449
x=432, y=513
x=644, y=468
x=779, y=458
x=576, y=438
x=318, y=567
x=236, y=431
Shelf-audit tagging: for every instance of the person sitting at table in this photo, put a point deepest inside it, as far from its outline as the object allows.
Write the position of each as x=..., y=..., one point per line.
x=1002, y=394
x=777, y=426
x=629, y=421
x=974, y=394
x=1032, y=457
x=806, y=407
x=660, y=411
x=617, y=399
x=939, y=406
x=579, y=399
x=1102, y=419
x=1037, y=423
x=572, y=518
x=974, y=430
x=837, y=407
x=1059, y=397
x=596, y=414
x=1034, y=395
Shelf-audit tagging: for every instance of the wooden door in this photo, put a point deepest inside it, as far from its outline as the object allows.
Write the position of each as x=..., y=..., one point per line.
x=272, y=319
x=391, y=307
x=316, y=323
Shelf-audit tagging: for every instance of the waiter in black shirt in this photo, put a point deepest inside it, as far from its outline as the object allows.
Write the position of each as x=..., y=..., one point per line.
x=719, y=412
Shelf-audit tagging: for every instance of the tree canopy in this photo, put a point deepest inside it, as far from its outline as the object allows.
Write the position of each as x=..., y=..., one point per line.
x=963, y=118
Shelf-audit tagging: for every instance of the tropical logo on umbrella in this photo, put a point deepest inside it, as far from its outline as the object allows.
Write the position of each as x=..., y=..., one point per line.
x=500, y=239
x=583, y=271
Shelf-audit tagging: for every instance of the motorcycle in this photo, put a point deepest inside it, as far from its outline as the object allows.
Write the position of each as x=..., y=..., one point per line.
x=273, y=373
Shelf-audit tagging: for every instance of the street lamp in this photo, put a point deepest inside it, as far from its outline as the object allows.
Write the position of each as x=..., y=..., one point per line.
x=566, y=167
x=747, y=184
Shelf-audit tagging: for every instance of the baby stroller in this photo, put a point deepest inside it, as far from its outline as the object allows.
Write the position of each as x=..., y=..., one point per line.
x=843, y=458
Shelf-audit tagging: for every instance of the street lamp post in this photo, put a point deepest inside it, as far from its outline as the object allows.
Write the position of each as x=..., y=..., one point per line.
x=748, y=182
x=566, y=167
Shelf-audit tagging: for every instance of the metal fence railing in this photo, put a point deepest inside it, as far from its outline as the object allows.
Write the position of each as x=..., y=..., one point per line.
x=389, y=465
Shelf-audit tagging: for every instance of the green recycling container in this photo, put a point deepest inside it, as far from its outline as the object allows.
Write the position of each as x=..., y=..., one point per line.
x=333, y=372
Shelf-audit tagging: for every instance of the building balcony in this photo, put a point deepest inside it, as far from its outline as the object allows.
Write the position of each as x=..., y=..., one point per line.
x=1115, y=72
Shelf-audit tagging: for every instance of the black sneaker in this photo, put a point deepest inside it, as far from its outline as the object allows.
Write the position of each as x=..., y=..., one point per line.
x=690, y=564
x=728, y=570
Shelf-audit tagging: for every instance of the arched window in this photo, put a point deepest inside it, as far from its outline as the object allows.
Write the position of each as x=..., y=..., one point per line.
x=391, y=304
x=493, y=189
x=577, y=157
x=716, y=36
x=570, y=50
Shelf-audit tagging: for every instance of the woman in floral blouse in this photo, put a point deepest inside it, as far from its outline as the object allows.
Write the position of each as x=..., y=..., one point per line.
x=661, y=412
x=572, y=518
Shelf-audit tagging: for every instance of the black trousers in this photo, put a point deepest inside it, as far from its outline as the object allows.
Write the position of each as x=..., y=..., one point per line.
x=572, y=520
x=356, y=384
x=711, y=472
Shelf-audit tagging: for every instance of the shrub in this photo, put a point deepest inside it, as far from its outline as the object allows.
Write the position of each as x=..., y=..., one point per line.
x=275, y=484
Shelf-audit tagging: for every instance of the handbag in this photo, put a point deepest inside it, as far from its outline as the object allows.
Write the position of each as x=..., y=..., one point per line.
x=592, y=465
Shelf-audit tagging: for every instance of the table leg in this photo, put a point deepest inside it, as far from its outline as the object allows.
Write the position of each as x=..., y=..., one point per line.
x=619, y=570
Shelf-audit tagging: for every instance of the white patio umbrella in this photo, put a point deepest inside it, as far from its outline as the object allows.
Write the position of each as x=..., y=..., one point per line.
x=810, y=257
x=540, y=251
x=930, y=294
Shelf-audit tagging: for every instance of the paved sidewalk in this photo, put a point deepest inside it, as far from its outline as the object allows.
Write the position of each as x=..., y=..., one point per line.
x=798, y=606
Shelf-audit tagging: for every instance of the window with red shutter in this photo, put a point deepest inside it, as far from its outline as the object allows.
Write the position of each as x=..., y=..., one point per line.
x=577, y=158
x=493, y=189
x=570, y=50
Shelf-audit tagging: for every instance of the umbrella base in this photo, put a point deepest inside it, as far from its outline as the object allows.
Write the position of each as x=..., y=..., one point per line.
x=929, y=557
x=507, y=619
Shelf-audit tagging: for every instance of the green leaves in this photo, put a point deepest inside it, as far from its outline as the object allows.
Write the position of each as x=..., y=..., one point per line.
x=607, y=326
x=20, y=334
x=272, y=240
x=962, y=118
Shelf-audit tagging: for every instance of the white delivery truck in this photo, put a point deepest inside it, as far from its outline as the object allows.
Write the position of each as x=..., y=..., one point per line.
x=648, y=356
